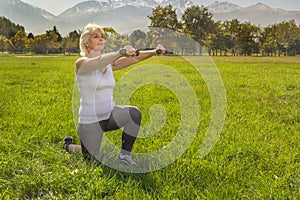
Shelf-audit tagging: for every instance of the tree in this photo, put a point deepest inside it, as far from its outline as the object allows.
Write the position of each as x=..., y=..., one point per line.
x=164, y=23
x=268, y=41
x=39, y=44
x=164, y=17
x=297, y=46
x=109, y=31
x=248, y=39
x=198, y=23
x=5, y=43
x=19, y=41
x=59, y=37
x=287, y=34
x=114, y=40
x=29, y=41
x=232, y=29
x=137, y=39
x=111, y=36
x=8, y=28
x=30, y=35
x=218, y=38
x=53, y=42
x=71, y=42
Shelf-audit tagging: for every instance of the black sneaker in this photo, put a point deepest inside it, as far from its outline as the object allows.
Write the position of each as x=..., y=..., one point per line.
x=67, y=141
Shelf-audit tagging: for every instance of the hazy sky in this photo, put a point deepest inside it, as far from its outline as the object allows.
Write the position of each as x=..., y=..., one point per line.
x=57, y=7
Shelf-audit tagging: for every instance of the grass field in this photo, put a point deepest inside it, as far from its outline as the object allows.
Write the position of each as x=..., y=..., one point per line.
x=256, y=157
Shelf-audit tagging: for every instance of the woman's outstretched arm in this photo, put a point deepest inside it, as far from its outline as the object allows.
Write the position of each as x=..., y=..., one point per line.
x=143, y=55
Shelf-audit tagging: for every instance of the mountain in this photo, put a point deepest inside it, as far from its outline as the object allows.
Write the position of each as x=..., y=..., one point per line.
x=122, y=19
x=128, y=15
x=32, y=18
x=122, y=15
x=223, y=7
x=259, y=14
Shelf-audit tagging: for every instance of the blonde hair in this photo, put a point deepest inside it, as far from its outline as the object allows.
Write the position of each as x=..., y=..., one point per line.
x=85, y=35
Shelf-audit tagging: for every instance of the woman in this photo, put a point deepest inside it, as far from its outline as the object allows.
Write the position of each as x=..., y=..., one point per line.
x=98, y=112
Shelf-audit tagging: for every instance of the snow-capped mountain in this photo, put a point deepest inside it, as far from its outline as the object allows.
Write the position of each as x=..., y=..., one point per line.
x=136, y=3
x=122, y=15
x=223, y=7
x=129, y=15
x=259, y=14
x=102, y=5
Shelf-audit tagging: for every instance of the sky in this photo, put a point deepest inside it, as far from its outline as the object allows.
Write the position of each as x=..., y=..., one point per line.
x=57, y=7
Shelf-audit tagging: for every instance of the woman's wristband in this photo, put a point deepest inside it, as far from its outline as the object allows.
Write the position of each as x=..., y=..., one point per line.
x=158, y=52
x=122, y=52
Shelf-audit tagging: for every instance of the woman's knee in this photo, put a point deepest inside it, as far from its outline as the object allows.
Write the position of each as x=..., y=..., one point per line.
x=135, y=114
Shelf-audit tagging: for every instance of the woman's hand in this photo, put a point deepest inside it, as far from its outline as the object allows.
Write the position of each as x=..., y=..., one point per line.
x=128, y=51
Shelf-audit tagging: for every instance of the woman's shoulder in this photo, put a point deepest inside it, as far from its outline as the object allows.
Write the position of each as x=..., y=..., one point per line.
x=80, y=60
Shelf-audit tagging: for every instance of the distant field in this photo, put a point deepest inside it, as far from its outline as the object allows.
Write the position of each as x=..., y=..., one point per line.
x=256, y=157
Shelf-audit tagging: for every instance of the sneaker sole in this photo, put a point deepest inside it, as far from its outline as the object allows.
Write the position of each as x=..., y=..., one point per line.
x=125, y=162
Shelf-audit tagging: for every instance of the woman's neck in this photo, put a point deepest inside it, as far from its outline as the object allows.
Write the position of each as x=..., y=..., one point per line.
x=94, y=53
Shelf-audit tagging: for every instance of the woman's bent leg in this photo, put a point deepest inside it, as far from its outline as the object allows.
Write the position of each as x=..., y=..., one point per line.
x=128, y=117
x=90, y=138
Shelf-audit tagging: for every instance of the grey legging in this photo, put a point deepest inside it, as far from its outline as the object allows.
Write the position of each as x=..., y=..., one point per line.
x=90, y=135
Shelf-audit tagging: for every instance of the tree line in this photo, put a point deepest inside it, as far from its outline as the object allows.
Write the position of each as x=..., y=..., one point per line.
x=230, y=37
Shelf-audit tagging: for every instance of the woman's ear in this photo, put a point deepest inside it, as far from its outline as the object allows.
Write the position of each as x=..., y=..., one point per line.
x=86, y=44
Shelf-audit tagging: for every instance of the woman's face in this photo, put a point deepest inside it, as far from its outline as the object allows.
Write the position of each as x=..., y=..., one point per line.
x=96, y=41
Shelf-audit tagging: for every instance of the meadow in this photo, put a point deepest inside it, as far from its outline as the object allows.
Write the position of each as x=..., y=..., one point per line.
x=256, y=157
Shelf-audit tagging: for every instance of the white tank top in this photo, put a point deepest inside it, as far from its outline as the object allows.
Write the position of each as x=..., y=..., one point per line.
x=96, y=95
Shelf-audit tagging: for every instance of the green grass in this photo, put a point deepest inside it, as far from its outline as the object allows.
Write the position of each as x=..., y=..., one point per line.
x=256, y=156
